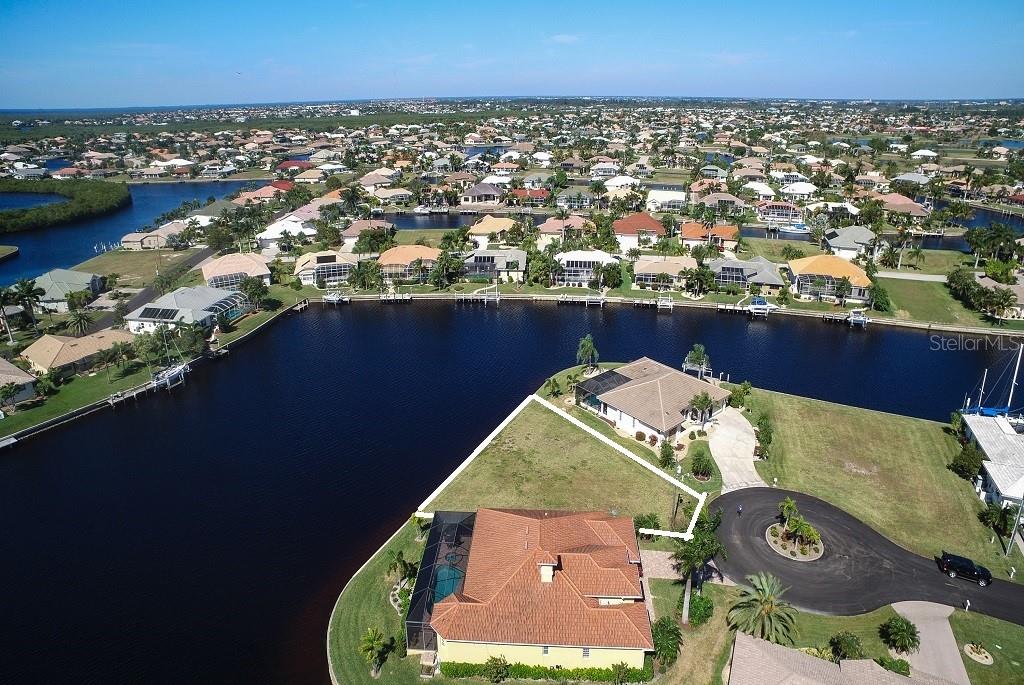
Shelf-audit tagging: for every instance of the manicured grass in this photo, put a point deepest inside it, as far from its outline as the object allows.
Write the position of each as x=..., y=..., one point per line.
x=772, y=249
x=665, y=595
x=712, y=485
x=935, y=262
x=889, y=471
x=410, y=236
x=74, y=393
x=814, y=630
x=541, y=461
x=135, y=267
x=927, y=301
x=1003, y=640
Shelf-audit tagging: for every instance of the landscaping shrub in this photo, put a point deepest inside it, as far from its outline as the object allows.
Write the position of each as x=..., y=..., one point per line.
x=702, y=608
x=645, y=521
x=666, y=455
x=496, y=669
x=525, y=672
x=846, y=645
x=640, y=436
x=895, y=665
x=667, y=639
x=702, y=434
x=900, y=634
x=653, y=440
x=967, y=464
x=702, y=466
x=693, y=436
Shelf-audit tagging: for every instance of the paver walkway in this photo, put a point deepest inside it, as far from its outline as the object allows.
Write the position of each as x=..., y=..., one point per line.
x=732, y=446
x=658, y=564
x=940, y=654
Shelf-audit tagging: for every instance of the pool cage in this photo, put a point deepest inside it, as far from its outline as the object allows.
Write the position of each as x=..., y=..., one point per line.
x=441, y=573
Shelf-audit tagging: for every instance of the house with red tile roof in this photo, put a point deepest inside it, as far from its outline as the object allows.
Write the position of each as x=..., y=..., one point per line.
x=636, y=230
x=544, y=588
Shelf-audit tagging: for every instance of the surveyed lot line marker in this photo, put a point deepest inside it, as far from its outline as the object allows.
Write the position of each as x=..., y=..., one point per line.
x=701, y=497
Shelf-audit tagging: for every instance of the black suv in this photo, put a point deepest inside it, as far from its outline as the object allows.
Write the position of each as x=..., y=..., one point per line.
x=962, y=567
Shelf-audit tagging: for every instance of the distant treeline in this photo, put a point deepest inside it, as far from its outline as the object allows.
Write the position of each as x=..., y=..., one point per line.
x=85, y=199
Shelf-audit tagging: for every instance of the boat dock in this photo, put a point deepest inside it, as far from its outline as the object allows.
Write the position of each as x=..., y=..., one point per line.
x=757, y=309
x=662, y=304
x=484, y=297
x=335, y=298
x=301, y=305
x=396, y=297
x=856, y=317
x=585, y=300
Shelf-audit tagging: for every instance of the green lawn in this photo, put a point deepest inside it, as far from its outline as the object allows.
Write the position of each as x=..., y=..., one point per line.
x=136, y=267
x=814, y=630
x=410, y=236
x=706, y=649
x=772, y=249
x=887, y=470
x=1003, y=640
x=74, y=393
x=930, y=301
x=936, y=262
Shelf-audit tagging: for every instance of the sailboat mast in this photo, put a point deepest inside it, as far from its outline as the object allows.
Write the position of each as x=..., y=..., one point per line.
x=981, y=392
x=1013, y=383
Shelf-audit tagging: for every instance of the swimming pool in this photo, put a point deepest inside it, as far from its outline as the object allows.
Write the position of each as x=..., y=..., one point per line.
x=446, y=581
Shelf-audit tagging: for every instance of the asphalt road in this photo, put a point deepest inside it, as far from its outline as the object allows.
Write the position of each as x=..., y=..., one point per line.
x=860, y=569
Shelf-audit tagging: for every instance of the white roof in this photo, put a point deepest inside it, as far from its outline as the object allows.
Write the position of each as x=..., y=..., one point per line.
x=176, y=162
x=666, y=195
x=760, y=188
x=293, y=225
x=621, y=182
x=924, y=153
x=1004, y=450
x=833, y=205
x=585, y=256
x=498, y=180
x=800, y=188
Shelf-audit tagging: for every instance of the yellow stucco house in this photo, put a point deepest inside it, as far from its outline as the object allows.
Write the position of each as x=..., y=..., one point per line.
x=543, y=588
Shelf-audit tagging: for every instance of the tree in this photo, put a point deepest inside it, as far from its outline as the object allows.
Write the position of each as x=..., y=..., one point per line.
x=900, y=634
x=496, y=669
x=79, y=321
x=691, y=557
x=586, y=352
x=366, y=275
x=762, y=612
x=552, y=387
x=667, y=639
x=787, y=509
x=844, y=288
x=371, y=646
x=698, y=358
x=703, y=404
x=120, y=312
x=702, y=465
x=880, y=301
x=163, y=283
x=254, y=289
x=28, y=295
x=8, y=391
x=846, y=645
x=666, y=455
x=967, y=464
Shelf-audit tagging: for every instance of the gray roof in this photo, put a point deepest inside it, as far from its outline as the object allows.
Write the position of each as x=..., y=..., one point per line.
x=501, y=257
x=1004, y=450
x=214, y=208
x=483, y=189
x=757, y=270
x=58, y=283
x=913, y=177
x=188, y=305
x=849, y=238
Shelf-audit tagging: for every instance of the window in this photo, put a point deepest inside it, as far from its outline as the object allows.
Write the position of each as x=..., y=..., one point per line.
x=586, y=652
x=545, y=650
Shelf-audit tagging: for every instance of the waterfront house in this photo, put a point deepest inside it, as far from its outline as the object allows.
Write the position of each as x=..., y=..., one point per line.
x=373, y=180
x=199, y=304
x=666, y=200
x=662, y=273
x=501, y=265
x=574, y=199
x=801, y=190
x=399, y=263
x=290, y=224
x=723, y=236
x=350, y=234
x=622, y=183
x=649, y=399
x=553, y=228
x=24, y=381
x=712, y=171
x=578, y=266
x=531, y=197
x=393, y=195
x=817, y=276
x=723, y=203
x=1002, y=477
x=326, y=268
x=206, y=214
x=772, y=211
x=64, y=354
x=482, y=194
x=158, y=238
x=481, y=232
x=851, y=242
x=757, y=271
x=636, y=230
x=555, y=589
x=57, y=284
x=604, y=170
x=762, y=191
x=229, y=270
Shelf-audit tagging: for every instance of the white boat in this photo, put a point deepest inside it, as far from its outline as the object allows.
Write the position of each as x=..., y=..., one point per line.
x=802, y=229
x=422, y=209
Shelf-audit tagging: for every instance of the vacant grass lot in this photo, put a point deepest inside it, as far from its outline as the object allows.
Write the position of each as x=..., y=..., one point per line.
x=772, y=249
x=432, y=236
x=935, y=262
x=927, y=301
x=135, y=267
x=1003, y=640
x=541, y=461
x=887, y=470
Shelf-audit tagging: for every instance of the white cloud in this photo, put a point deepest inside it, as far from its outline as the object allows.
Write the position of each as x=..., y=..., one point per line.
x=564, y=38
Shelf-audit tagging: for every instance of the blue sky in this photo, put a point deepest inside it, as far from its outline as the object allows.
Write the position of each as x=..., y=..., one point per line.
x=110, y=54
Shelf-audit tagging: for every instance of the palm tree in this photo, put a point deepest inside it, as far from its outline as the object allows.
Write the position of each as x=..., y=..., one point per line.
x=761, y=612
x=8, y=391
x=371, y=646
x=79, y=321
x=900, y=634
x=916, y=255
x=552, y=388
x=787, y=508
x=703, y=404
x=698, y=357
x=691, y=558
x=586, y=352
x=7, y=297
x=28, y=295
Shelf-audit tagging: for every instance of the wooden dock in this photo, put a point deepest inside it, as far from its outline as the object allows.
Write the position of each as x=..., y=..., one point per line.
x=396, y=297
x=301, y=305
x=855, y=318
x=662, y=304
x=478, y=298
x=335, y=298
x=585, y=300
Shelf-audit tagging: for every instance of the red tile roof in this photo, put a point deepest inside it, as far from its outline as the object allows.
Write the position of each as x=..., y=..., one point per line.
x=503, y=599
x=635, y=223
x=698, y=231
x=537, y=193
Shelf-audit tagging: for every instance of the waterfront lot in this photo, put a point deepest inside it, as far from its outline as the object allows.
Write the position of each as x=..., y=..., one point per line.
x=772, y=249
x=541, y=461
x=889, y=471
x=928, y=301
x=136, y=268
x=1004, y=641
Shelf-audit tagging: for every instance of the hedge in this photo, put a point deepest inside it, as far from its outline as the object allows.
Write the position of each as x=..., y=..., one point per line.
x=526, y=672
x=86, y=198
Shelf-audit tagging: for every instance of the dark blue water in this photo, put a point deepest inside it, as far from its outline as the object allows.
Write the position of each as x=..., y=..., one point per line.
x=723, y=156
x=422, y=221
x=474, y=150
x=56, y=163
x=1007, y=143
x=204, y=535
x=25, y=200
x=73, y=243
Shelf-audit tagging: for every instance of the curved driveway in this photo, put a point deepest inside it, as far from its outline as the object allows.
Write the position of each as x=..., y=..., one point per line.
x=860, y=570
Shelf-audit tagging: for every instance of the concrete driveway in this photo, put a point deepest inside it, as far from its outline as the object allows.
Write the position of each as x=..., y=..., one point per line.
x=939, y=654
x=732, y=446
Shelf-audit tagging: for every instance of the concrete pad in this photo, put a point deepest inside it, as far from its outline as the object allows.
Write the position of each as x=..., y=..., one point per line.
x=732, y=446
x=939, y=654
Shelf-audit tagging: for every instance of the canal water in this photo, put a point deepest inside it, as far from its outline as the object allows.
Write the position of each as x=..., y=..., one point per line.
x=73, y=243
x=203, y=535
x=26, y=200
